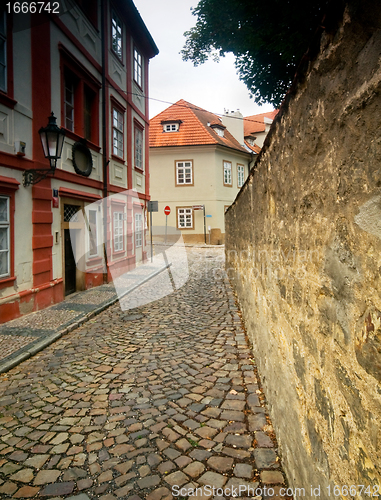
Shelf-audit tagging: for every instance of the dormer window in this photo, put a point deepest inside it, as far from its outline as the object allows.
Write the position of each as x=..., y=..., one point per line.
x=218, y=129
x=251, y=139
x=171, y=126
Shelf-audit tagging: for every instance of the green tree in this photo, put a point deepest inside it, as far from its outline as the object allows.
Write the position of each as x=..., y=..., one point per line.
x=268, y=39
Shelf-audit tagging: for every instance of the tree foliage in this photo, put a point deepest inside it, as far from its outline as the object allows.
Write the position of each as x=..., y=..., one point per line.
x=268, y=39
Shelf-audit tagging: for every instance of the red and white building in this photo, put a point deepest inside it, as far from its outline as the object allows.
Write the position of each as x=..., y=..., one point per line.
x=89, y=65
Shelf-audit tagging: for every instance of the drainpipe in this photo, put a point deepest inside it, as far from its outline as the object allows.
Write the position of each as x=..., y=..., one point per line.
x=104, y=135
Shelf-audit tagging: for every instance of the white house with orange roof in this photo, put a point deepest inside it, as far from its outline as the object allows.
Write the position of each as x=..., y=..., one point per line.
x=198, y=163
x=256, y=127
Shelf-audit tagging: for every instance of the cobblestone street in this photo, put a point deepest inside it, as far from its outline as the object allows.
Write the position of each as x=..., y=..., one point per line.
x=149, y=403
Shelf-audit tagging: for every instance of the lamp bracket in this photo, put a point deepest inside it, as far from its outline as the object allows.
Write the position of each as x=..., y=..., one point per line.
x=35, y=175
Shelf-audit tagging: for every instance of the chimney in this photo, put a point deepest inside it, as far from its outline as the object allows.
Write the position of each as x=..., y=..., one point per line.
x=233, y=121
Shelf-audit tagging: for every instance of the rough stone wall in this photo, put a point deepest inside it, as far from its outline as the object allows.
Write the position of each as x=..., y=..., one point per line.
x=303, y=249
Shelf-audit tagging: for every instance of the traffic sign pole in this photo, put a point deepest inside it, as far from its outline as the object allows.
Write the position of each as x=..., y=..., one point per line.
x=204, y=226
x=167, y=211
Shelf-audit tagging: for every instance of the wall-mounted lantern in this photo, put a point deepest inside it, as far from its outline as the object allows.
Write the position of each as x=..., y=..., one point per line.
x=52, y=139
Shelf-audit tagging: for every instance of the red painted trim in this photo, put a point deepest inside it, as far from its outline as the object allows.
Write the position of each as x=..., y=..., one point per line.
x=82, y=78
x=126, y=96
x=7, y=282
x=10, y=90
x=119, y=160
x=16, y=162
x=7, y=101
x=117, y=104
x=77, y=179
x=8, y=189
x=9, y=183
x=118, y=202
x=78, y=195
x=42, y=240
x=76, y=137
x=10, y=306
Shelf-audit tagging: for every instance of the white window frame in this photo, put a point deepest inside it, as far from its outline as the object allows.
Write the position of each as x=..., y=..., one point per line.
x=138, y=230
x=95, y=226
x=138, y=67
x=117, y=133
x=118, y=231
x=5, y=226
x=3, y=49
x=69, y=103
x=184, y=173
x=185, y=218
x=138, y=147
x=227, y=173
x=116, y=35
x=240, y=175
x=170, y=127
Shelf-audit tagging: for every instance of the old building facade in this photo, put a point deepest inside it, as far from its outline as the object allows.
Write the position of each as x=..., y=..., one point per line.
x=87, y=62
x=198, y=162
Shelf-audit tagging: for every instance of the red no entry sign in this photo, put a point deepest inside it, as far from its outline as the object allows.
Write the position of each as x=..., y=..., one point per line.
x=167, y=210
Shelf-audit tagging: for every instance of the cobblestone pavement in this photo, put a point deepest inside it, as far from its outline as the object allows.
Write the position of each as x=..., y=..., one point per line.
x=156, y=403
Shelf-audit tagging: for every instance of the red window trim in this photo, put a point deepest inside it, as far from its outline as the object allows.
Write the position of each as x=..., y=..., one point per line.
x=121, y=109
x=91, y=16
x=141, y=127
x=7, y=98
x=78, y=195
x=134, y=46
x=84, y=78
x=76, y=137
x=117, y=104
x=116, y=207
x=8, y=187
x=113, y=9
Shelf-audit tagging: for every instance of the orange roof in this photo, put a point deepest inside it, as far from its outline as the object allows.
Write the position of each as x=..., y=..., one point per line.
x=254, y=148
x=194, y=128
x=256, y=123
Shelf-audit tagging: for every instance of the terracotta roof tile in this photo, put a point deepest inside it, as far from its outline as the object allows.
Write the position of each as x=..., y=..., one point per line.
x=194, y=130
x=256, y=123
x=256, y=149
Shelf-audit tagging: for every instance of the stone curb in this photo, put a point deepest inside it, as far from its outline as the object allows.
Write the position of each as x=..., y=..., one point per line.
x=39, y=346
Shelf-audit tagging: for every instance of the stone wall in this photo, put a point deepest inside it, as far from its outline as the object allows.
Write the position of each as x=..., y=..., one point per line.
x=303, y=248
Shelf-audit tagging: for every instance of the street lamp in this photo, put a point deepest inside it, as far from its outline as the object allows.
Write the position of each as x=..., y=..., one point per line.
x=52, y=139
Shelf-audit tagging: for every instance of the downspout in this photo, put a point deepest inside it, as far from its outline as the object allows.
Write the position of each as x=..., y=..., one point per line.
x=104, y=139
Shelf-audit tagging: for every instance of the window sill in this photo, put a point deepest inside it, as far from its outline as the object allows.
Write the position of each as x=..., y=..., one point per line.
x=140, y=170
x=92, y=261
x=182, y=185
x=5, y=282
x=118, y=158
x=120, y=60
x=119, y=253
x=6, y=100
x=78, y=138
x=137, y=84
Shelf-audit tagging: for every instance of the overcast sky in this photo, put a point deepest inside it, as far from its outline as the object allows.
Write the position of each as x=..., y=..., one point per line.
x=212, y=86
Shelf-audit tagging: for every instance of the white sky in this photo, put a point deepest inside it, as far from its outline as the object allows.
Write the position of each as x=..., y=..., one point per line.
x=212, y=86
